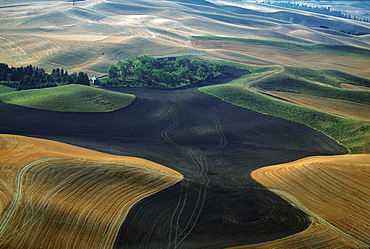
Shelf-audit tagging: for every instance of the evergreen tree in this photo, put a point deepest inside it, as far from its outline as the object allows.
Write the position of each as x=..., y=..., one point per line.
x=82, y=79
x=31, y=77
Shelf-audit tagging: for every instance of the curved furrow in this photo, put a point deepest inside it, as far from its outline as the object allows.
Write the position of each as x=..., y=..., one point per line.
x=320, y=184
x=69, y=202
x=200, y=160
x=175, y=123
x=174, y=222
x=223, y=140
x=210, y=142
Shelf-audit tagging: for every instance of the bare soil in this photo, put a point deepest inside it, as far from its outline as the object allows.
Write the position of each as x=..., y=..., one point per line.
x=213, y=144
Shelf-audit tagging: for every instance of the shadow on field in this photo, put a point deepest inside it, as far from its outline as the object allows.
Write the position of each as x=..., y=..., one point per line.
x=213, y=144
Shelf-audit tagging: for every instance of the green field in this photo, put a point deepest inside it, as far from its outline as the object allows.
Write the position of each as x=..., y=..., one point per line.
x=317, y=82
x=353, y=134
x=69, y=98
x=5, y=89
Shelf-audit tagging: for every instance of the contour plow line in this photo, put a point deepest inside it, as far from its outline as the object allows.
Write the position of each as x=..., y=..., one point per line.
x=320, y=219
x=54, y=195
x=334, y=190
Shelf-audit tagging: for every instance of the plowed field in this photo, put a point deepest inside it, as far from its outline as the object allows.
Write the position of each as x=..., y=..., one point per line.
x=212, y=143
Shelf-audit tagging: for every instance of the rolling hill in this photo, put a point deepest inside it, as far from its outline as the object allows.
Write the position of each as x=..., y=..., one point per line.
x=62, y=196
x=332, y=190
x=69, y=98
x=92, y=34
x=299, y=97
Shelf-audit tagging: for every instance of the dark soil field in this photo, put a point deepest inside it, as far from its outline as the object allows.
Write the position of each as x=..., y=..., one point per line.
x=213, y=144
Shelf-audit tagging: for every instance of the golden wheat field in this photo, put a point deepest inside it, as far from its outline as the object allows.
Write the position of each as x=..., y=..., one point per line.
x=334, y=190
x=55, y=195
x=354, y=87
x=337, y=106
x=273, y=55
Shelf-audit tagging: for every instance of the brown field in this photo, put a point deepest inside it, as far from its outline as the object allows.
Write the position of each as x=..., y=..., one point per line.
x=55, y=195
x=334, y=190
x=93, y=34
x=355, y=87
x=283, y=56
x=337, y=106
x=318, y=235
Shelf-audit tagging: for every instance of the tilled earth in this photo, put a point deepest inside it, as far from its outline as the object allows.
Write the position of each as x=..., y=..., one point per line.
x=215, y=146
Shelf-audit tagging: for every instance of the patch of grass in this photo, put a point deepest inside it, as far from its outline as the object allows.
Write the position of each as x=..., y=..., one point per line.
x=318, y=82
x=6, y=89
x=69, y=98
x=337, y=49
x=353, y=134
x=349, y=78
x=253, y=69
x=327, y=76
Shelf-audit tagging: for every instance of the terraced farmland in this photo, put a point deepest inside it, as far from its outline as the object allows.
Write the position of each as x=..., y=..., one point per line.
x=61, y=196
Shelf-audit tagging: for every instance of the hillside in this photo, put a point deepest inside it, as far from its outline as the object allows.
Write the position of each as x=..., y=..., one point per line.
x=310, y=96
x=62, y=196
x=333, y=190
x=255, y=157
x=90, y=35
x=69, y=98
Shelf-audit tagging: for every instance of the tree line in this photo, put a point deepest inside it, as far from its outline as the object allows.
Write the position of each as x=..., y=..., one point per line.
x=321, y=10
x=160, y=73
x=31, y=77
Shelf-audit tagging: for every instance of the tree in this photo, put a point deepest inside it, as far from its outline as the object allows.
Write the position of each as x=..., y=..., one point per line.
x=4, y=71
x=201, y=72
x=82, y=79
x=113, y=72
x=183, y=73
x=148, y=71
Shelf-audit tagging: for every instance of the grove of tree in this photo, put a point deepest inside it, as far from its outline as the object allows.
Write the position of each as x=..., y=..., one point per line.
x=160, y=73
x=31, y=77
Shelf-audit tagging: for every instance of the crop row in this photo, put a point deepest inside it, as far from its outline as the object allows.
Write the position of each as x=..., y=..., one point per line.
x=332, y=190
x=61, y=201
x=337, y=49
x=37, y=47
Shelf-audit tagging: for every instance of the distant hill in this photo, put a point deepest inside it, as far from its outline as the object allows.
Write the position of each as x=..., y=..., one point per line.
x=91, y=35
